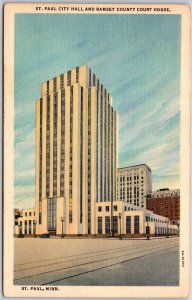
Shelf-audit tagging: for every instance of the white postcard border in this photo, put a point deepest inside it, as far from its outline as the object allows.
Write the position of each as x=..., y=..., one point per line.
x=89, y=291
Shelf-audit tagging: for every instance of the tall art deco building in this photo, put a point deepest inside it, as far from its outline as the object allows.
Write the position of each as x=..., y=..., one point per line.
x=76, y=152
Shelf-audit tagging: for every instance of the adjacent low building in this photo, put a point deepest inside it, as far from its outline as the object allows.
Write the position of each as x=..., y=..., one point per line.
x=25, y=222
x=133, y=183
x=165, y=202
x=129, y=220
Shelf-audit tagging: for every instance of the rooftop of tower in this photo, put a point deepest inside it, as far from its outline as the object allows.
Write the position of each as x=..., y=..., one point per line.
x=70, y=70
x=81, y=74
x=134, y=166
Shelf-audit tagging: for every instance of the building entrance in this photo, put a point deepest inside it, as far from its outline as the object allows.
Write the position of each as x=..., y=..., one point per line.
x=51, y=215
x=52, y=232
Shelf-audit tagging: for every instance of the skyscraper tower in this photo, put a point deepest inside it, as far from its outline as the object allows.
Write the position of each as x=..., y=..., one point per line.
x=76, y=152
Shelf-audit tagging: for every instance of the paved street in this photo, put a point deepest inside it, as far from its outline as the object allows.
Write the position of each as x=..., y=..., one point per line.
x=102, y=261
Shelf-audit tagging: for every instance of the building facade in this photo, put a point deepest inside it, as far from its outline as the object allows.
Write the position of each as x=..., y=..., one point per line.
x=76, y=152
x=17, y=214
x=130, y=220
x=133, y=183
x=165, y=202
x=25, y=222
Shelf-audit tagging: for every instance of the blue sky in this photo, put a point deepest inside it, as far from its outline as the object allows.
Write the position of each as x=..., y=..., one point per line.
x=137, y=58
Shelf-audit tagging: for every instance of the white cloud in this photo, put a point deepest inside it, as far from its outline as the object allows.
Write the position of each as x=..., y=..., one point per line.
x=24, y=170
x=24, y=196
x=168, y=182
x=25, y=173
x=24, y=151
x=23, y=110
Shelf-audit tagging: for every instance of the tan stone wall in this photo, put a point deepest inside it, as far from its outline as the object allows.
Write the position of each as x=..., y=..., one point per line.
x=43, y=227
x=60, y=214
x=93, y=156
x=140, y=213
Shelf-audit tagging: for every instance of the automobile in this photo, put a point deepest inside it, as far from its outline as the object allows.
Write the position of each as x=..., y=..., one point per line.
x=45, y=235
x=20, y=235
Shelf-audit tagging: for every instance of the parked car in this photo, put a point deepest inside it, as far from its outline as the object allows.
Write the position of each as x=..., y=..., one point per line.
x=45, y=235
x=20, y=235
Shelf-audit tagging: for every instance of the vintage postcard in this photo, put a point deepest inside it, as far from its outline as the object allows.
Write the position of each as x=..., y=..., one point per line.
x=96, y=150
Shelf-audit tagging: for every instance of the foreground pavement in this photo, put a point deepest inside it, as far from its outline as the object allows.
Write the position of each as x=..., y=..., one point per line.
x=96, y=262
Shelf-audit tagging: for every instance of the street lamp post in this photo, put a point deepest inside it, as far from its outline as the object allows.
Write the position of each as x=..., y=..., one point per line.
x=167, y=228
x=120, y=215
x=35, y=222
x=62, y=221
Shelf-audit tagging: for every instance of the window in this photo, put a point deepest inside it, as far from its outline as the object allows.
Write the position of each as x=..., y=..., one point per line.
x=101, y=89
x=47, y=87
x=20, y=227
x=107, y=208
x=94, y=80
x=89, y=77
x=136, y=224
x=55, y=147
x=115, y=224
x=29, y=226
x=25, y=227
x=99, y=208
x=128, y=224
x=107, y=225
x=77, y=74
x=105, y=93
x=30, y=214
x=26, y=214
x=69, y=78
x=71, y=138
x=70, y=216
x=97, y=83
x=48, y=147
x=81, y=152
x=100, y=225
x=51, y=213
x=61, y=81
x=54, y=84
x=115, y=207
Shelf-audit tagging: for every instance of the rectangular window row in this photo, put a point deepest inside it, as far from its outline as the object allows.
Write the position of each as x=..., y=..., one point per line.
x=71, y=144
x=81, y=157
x=89, y=160
x=48, y=147
x=62, y=142
x=40, y=153
x=51, y=213
x=55, y=145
